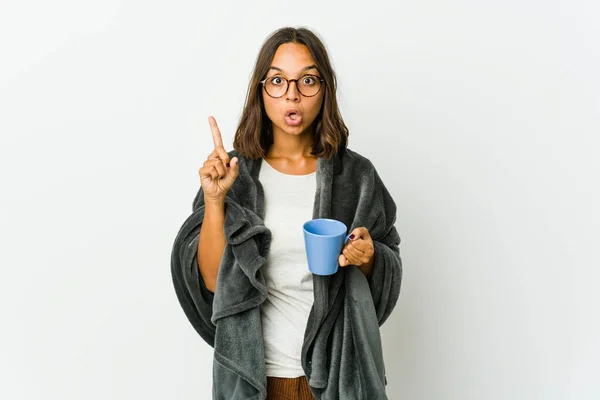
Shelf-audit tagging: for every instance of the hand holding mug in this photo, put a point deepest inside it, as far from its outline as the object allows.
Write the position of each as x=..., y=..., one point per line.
x=358, y=250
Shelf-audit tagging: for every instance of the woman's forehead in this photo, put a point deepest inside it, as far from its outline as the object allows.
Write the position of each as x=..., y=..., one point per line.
x=292, y=57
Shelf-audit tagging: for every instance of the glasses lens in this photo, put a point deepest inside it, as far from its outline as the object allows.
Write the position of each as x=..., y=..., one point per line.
x=276, y=86
x=309, y=85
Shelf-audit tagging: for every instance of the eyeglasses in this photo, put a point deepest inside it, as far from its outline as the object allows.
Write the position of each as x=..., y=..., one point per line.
x=277, y=86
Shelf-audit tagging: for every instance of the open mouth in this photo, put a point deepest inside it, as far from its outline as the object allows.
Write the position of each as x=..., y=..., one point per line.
x=293, y=117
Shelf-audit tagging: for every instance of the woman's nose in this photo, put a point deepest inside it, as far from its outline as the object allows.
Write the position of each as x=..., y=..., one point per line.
x=292, y=92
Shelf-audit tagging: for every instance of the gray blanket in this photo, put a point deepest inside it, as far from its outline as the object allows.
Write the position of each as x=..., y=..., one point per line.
x=341, y=354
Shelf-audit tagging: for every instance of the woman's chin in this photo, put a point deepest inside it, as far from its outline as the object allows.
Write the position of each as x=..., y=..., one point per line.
x=296, y=130
x=293, y=129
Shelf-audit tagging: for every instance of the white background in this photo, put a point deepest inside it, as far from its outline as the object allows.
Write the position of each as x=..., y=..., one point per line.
x=482, y=118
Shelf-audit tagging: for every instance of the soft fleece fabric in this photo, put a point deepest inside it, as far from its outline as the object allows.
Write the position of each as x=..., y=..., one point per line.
x=342, y=354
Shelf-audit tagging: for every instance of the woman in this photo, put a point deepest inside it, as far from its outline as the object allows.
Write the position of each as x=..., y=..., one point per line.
x=239, y=264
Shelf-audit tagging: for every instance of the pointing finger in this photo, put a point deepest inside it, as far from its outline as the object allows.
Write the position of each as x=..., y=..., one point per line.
x=216, y=134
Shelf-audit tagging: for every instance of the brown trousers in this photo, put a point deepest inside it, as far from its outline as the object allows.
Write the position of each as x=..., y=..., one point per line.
x=288, y=388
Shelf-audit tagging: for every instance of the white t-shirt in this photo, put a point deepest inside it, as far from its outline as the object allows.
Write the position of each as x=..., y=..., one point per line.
x=289, y=201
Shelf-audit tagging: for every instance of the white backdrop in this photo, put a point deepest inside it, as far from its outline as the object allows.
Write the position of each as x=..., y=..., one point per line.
x=482, y=118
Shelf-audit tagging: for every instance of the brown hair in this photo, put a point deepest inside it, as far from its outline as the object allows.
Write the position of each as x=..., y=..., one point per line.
x=254, y=135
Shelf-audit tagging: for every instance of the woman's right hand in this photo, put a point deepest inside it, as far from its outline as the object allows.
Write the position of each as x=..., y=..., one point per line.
x=218, y=173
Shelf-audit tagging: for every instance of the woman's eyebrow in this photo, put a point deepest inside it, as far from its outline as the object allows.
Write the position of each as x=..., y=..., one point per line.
x=303, y=69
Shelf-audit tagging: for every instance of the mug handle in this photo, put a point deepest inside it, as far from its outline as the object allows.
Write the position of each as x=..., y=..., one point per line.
x=346, y=238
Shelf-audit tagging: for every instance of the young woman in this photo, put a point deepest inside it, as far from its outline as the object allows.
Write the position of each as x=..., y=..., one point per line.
x=239, y=264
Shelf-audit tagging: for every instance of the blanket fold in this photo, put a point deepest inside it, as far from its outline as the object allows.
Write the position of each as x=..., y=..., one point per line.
x=341, y=353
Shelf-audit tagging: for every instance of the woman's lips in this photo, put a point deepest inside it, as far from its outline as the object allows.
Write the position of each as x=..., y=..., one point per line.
x=293, y=119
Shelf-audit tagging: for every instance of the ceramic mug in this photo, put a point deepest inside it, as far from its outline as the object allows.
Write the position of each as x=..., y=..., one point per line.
x=324, y=240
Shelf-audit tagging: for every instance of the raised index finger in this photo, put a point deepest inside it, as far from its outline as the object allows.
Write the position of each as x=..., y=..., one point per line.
x=216, y=134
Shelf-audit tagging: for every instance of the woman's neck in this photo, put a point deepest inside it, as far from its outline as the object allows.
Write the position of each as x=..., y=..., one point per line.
x=293, y=148
x=291, y=154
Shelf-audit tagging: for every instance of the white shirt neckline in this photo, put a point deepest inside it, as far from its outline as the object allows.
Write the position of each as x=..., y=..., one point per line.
x=282, y=173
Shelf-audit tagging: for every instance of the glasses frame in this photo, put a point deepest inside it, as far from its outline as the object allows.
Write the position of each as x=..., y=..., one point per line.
x=264, y=85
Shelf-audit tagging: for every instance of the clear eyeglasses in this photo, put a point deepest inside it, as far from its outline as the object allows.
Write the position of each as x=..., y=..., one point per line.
x=277, y=86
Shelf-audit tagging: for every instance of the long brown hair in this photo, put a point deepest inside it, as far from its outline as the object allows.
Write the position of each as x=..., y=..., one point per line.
x=254, y=134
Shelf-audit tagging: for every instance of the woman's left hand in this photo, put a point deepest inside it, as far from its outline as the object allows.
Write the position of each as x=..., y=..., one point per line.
x=359, y=249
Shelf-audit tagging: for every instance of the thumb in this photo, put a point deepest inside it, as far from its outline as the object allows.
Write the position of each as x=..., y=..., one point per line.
x=234, y=170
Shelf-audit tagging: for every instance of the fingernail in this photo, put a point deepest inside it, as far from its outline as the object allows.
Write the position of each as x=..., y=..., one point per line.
x=352, y=236
x=227, y=165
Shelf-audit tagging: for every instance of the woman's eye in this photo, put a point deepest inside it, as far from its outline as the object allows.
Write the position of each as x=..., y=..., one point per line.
x=276, y=80
x=308, y=80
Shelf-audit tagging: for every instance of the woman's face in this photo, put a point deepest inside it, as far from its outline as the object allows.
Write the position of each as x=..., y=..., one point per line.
x=293, y=113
